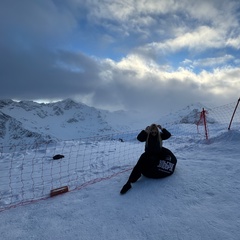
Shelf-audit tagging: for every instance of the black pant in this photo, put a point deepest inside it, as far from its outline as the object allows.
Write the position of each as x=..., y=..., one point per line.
x=148, y=166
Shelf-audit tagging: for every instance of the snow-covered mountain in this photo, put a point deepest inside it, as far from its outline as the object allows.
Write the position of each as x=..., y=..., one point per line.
x=31, y=122
x=190, y=114
x=13, y=133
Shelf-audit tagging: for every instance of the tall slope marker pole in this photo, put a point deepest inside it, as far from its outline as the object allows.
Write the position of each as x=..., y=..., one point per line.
x=233, y=114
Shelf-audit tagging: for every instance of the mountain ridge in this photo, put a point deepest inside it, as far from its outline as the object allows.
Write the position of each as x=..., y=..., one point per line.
x=29, y=122
x=63, y=120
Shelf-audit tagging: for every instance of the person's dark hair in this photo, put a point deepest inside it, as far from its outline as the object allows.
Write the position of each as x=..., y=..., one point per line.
x=155, y=128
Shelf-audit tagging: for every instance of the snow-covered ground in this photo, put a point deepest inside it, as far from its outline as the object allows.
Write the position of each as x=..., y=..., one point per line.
x=199, y=201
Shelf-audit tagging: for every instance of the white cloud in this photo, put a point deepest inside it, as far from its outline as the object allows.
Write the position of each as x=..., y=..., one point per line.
x=234, y=42
x=199, y=39
x=208, y=62
x=149, y=84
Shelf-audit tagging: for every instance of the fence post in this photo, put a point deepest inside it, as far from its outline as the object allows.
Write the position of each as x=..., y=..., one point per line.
x=203, y=117
x=233, y=115
x=205, y=123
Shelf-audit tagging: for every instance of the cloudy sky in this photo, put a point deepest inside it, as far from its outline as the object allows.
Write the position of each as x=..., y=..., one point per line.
x=144, y=55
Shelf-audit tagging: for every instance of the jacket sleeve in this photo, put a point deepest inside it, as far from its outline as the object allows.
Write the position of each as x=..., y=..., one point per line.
x=165, y=134
x=142, y=136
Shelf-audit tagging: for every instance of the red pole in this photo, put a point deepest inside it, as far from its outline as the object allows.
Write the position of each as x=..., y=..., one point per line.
x=233, y=114
x=205, y=123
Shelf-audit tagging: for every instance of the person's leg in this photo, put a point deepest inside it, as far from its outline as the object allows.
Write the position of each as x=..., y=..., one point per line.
x=135, y=174
x=126, y=187
x=137, y=170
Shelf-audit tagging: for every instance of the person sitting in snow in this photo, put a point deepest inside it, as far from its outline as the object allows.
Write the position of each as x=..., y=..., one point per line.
x=156, y=161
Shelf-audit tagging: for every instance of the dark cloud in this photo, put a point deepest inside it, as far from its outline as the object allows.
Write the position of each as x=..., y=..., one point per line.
x=39, y=73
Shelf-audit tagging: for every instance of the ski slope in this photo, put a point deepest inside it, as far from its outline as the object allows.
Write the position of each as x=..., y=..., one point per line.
x=199, y=201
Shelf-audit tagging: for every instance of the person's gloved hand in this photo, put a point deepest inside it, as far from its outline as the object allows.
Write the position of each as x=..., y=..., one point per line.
x=147, y=129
